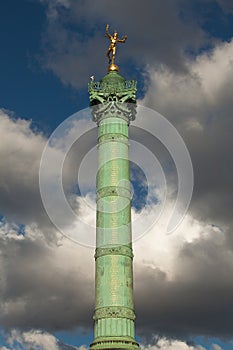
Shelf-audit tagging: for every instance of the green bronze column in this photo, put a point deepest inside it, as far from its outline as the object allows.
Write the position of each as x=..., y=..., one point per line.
x=113, y=102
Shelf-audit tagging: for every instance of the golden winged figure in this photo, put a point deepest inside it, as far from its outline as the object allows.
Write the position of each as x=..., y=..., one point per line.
x=111, y=53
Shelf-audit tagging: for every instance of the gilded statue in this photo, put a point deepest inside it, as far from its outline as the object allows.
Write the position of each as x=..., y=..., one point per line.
x=111, y=53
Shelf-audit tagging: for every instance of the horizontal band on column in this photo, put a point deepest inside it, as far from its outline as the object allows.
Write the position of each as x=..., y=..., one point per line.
x=119, y=343
x=99, y=117
x=102, y=140
x=114, y=312
x=113, y=191
x=119, y=250
x=109, y=126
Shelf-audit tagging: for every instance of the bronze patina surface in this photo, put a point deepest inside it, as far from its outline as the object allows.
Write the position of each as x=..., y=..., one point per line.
x=113, y=102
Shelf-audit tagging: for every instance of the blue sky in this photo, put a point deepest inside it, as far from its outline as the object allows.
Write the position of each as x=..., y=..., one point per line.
x=23, y=76
x=181, y=55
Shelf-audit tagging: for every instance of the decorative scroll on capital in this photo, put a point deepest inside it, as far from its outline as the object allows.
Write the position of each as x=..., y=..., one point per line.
x=113, y=96
x=125, y=111
x=104, y=91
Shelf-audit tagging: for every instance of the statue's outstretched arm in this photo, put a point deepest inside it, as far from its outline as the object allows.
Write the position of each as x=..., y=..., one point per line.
x=107, y=32
x=122, y=40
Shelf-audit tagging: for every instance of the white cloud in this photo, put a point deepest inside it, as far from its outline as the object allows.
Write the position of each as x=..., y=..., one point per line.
x=44, y=279
x=36, y=340
x=215, y=72
x=166, y=344
x=199, y=104
x=216, y=347
x=157, y=249
x=33, y=339
x=190, y=97
x=20, y=152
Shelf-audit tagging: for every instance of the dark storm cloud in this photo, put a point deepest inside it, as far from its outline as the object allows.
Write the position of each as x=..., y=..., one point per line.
x=20, y=152
x=212, y=161
x=198, y=298
x=199, y=104
x=43, y=286
x=75, y=37
x=196, y=301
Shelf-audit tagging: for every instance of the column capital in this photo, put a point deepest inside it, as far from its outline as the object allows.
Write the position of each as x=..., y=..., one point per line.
x=113, y=96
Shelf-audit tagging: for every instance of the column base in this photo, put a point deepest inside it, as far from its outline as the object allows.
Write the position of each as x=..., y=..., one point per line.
x=114, y=343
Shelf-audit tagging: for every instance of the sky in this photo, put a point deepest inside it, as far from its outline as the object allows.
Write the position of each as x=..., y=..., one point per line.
x=181, y=54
